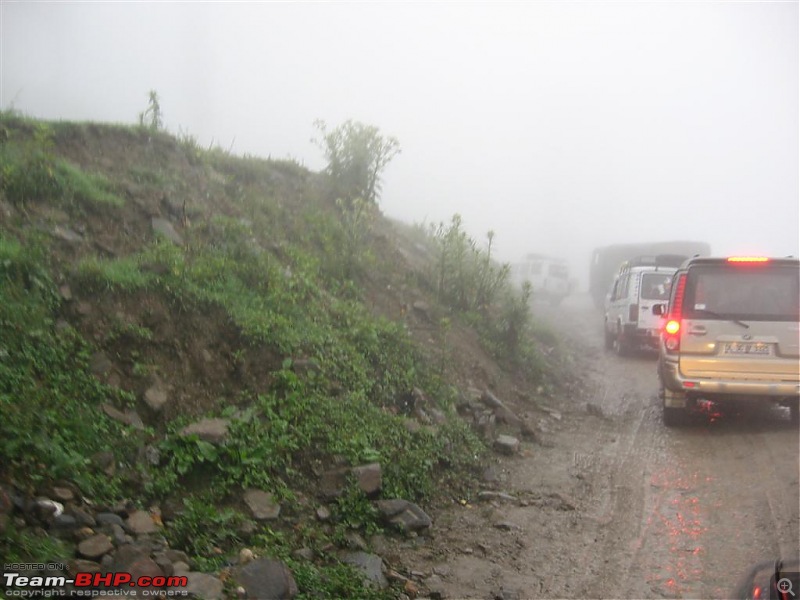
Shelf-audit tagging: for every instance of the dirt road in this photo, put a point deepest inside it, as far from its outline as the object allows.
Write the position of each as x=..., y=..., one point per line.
x=611, y=504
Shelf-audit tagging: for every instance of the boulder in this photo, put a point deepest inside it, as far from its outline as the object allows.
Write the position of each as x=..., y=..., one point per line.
x=202, y=585
x=370, y=565
x=404, y=515
x=213, y=431
x=506, y=444
x=95, y=547
x=267, y=579
x=165, y=229
x=261, y=505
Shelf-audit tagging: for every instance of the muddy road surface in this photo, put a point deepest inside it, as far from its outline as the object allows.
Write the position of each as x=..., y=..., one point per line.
x=609, y=503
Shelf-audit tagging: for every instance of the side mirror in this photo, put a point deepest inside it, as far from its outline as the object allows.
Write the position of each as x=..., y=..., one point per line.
x=659, y=309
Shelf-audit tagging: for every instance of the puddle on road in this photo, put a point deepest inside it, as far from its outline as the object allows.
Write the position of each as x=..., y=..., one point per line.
x=673, y=537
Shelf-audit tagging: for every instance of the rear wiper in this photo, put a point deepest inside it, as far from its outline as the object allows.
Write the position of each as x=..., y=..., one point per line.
x=723, y=317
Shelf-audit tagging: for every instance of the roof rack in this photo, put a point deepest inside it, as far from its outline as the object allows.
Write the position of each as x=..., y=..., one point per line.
x=655, y=260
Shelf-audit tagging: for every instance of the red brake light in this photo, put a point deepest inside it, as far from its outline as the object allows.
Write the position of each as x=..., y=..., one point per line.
x=748, y=259
x=673, y=325
x=677, y=306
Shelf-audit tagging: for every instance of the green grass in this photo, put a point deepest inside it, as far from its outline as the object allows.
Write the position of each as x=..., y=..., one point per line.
x=52, y=422
x=118, y=275
x=26, y=546
x=78, y=185
x=30, y=171
x=348, y=409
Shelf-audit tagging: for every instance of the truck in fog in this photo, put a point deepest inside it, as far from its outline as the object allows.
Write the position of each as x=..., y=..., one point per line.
x=606, y=261
x=548, y=277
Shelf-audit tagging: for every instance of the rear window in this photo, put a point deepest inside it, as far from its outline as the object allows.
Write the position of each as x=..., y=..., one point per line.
x=758, y=293
x=560, y=271
x=656, y=286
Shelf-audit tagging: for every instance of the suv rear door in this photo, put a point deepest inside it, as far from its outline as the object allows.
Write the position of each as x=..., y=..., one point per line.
x=740, y=321
x=654, y=288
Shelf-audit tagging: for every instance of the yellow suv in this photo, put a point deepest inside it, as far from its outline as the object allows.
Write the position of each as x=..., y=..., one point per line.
x=731, y=332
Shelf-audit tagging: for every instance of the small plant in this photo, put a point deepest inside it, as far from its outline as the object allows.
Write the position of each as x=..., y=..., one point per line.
x=130, y=332
x=141, y=369
x=151, y=117
x=205, y=531
x=357, y=217
x=27, y=167
x=357, y=154
x=466, y=278
x=514, y=320
x=31, y=546
x=445, y=326
x=354, y=511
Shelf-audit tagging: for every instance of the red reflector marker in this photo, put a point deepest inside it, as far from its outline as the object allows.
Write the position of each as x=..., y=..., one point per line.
x=689, y=384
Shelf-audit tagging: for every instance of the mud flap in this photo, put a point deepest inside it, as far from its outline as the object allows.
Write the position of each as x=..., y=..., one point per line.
x=675, y=399
x=671, y=399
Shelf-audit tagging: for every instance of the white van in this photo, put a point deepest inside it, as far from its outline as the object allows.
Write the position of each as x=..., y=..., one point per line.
x=547, y=275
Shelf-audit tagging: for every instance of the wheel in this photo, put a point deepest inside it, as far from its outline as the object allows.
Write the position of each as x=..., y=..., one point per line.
x=609, y=337
x=620, y=344
x=794, y=413
x=672, y=417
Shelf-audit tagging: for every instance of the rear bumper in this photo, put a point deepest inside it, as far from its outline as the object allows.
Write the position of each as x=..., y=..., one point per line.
x=642, y=337
x=675, y=381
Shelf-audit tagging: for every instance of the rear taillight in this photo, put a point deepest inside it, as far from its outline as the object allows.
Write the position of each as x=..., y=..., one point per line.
x=633, y=313
x=672, y=328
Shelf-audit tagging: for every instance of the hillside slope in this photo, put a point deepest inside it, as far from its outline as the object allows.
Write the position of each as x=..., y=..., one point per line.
x=211, y=346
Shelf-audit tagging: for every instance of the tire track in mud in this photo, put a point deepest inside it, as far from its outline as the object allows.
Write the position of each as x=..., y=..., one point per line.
x=619, y=507
x=776, y=485
x=756, y=491
x=618, y=504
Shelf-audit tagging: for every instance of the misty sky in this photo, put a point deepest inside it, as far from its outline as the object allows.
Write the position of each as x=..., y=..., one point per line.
x=561, y=126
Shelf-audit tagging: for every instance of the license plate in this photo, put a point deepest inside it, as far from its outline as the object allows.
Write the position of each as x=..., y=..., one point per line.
x=748, y=348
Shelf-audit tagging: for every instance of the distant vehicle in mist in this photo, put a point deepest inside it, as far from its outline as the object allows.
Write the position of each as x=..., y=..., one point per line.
x=606, y=261
x=548, y=277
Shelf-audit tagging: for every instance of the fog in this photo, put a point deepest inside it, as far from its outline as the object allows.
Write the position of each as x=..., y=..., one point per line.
x=560, y=126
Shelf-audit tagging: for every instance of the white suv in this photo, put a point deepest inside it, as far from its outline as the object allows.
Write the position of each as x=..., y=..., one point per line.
x=629, y=320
